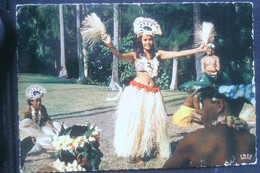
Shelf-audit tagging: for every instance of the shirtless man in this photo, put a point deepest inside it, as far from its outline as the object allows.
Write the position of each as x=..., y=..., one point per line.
x=225, y=140
x=210, y=63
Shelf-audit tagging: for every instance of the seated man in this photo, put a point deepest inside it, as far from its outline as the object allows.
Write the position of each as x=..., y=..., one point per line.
x=225, y=140
x=210, y=64
x=210, y=68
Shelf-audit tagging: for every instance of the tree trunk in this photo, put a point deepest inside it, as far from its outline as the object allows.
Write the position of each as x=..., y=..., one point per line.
x=196, y=23
x=80, y=56
x=114, y=79
x=63, y=69
x=174, y=81
x=84, y=51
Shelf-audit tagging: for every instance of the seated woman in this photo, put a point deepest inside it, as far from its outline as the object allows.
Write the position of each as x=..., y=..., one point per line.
x=36, y=122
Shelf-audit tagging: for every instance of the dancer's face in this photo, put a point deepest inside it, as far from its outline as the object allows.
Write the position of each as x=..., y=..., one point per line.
x=36, y=103
x=147, y=42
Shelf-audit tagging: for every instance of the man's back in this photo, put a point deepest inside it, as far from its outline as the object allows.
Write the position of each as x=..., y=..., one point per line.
x=213, y=146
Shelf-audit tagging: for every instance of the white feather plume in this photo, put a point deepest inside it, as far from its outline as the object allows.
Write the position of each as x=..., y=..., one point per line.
x=92, y=29
x=205, y=34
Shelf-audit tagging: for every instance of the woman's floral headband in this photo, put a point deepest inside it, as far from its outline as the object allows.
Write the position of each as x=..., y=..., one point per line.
x=35, y=91
x=237, y=91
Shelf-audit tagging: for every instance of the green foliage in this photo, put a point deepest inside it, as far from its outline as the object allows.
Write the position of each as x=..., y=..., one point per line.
x=163, y=79
x=127, y=70
x=39, y=47
x=38, y=33
x=99, y=63
x=234, y=41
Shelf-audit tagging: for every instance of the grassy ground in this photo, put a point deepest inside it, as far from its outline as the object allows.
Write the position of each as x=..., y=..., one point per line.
x=72, y=103
x=66, y=98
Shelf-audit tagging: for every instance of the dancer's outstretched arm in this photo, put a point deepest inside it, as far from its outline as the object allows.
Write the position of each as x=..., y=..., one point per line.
x=128, y=57
x=172, y=54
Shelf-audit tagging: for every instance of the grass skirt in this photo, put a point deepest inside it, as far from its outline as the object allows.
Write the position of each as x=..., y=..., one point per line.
x=44, y=135
x=140, y=128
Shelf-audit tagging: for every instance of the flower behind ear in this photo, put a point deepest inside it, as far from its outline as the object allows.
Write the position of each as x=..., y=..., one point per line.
x=238, y=91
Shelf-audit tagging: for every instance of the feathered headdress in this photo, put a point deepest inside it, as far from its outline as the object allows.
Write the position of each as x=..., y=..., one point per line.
x=146, y=26
x=92, y=29
x=35, y=91
x=205, y=34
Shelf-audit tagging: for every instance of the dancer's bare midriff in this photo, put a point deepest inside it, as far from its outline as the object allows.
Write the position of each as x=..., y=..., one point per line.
x=144, y=78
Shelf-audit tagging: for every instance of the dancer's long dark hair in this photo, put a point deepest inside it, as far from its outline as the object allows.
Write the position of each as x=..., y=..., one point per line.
x=140, y=50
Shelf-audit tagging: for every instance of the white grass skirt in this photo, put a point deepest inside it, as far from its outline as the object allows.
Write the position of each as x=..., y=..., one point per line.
x=44, y=135
x=140, y=128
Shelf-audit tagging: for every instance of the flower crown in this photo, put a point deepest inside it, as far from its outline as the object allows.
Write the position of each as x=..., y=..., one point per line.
x=211, y=45
x=237, y=91
x=35, y=91
x=146, y=26
x=77, y=148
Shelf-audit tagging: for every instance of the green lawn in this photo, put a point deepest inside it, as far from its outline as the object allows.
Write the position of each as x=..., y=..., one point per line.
x=66, y=98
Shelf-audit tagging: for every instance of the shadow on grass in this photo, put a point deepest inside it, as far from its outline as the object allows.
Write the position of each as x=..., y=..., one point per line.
x=92, y=112
x=176, y=101
x=40, y=78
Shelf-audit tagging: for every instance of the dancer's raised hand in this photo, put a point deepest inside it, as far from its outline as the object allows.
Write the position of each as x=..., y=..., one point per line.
x=106, y=39
x=203, y=47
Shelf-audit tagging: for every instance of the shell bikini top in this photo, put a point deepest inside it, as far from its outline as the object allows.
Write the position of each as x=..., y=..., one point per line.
x=151, y=67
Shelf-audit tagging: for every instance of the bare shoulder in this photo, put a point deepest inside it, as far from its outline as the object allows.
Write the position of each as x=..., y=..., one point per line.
x=215, y=57
x=206, y=133
x=245, y=137
x=195, y=136
x=203, y=58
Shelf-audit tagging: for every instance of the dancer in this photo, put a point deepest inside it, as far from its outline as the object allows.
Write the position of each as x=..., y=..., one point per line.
x=140, y=129
x=36, y=122
x=225, y=140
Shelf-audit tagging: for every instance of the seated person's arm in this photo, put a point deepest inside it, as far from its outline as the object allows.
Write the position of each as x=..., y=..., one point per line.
x=217, y=64
x=202, y=66
x=27, y=112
